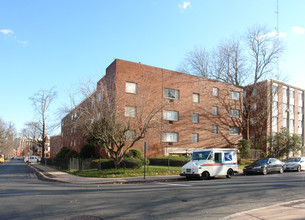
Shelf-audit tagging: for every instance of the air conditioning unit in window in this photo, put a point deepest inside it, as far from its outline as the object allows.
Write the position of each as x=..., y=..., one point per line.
x=171, y=122
x=170, y=144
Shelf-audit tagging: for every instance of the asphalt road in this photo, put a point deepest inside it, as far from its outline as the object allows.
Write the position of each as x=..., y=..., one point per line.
x=24, y=196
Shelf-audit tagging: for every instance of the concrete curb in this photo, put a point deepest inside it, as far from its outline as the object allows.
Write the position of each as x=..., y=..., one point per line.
x=239, y=214
x=43, y=177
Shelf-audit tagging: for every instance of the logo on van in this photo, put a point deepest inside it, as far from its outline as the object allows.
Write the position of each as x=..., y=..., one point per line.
x=228, y=157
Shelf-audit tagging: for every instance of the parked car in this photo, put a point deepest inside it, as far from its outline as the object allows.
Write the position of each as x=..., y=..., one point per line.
x=1, y=158
x=264, y=166
x=33, y=159
x=296, y=163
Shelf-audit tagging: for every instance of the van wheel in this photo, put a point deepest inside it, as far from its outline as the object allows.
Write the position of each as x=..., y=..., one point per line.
x=205, y=175
x=230, y=173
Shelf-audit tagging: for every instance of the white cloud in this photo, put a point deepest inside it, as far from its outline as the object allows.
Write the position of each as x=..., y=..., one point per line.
x=23, y=43
x=6, y=31
x=273, y=34
x=185, y=5
x=298, y=30
x=11, y=35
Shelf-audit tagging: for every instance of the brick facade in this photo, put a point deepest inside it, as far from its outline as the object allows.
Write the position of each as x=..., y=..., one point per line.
x=55, y=145
x=191, y=99
x=278, y=105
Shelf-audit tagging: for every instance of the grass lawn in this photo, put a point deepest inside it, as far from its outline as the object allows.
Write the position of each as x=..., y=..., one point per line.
x=109, y=173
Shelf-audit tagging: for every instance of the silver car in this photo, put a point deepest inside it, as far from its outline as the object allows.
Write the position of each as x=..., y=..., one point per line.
x=295, y=163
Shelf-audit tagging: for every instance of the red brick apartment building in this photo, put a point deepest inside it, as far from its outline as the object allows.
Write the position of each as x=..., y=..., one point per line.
x=197, y=112
x=275, y=105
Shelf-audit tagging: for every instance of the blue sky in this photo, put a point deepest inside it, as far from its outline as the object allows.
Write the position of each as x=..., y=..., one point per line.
x=60, y=43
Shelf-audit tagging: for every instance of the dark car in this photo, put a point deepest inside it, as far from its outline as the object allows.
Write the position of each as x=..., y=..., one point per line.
x=264, y=166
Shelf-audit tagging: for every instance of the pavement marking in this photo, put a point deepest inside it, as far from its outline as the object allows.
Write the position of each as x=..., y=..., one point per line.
x=174, y=184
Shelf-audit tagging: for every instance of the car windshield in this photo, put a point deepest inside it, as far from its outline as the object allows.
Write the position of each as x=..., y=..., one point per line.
x=294, y=159
x=261, y=161
x=203, y=155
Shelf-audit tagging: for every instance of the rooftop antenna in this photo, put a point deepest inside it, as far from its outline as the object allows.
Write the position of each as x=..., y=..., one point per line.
x=278, y=38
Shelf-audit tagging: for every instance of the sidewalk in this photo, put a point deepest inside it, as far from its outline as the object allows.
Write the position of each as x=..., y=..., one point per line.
x=285, y=211
x=49, y=174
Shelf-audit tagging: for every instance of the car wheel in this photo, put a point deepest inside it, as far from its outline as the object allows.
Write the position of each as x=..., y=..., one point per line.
x=299, y=168
x=205, y=175
x=265, y=171
x=230, y=173
x=281, y=170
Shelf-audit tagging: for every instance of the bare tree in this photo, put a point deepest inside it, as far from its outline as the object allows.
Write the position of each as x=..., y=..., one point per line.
x=41, y=102
x=32, y=130
x=7, y=133
x=101, y=121
x=228, y=63
x=196, y=63
x=241, y=61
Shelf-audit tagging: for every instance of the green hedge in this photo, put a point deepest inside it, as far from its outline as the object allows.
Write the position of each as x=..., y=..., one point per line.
x=173, y=161
x=109, y=163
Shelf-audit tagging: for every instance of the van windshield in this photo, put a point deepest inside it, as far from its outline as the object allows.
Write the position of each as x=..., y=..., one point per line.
x=201, y=155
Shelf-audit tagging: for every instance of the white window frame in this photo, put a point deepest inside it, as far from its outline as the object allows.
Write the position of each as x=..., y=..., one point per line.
x=195, y=138
x=130, y=135
x=215, y=92
x=234, y=113
x=170, y=137
x=196, y=98
x=170, y=115
x=130, y=111
x=171, y=93
x=215, y=110
x=214, y=129
x=195, y=118
x=234, y=130
x=234, y=95
x=131, y=87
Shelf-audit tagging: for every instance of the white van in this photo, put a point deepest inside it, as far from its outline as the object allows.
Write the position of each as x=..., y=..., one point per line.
x=206, y=163
x=33, y=159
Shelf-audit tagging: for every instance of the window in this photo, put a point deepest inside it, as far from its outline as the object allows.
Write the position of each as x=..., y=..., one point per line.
x=170, y=115
x=285, y=110
x=291, y=93
x=285, y=123
x=195, y=138
x=214, y=129
x=245, y=93
x=130, y=135
x=130, y=111
x=301, y=96
x=234, y=130
x=99, y=97
x=195, y=118
x=254, y=92
x=291, y=126
x=274, y=124
x=275, y=108
x=215, y=92
x=170, y=137
x=218, y=157
x=131, y=87
x=215, y=110
x=171, y=94
x=234, y=113
x=254, y=106
x=196, y=97
x=300, y=110
x=234, y=95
